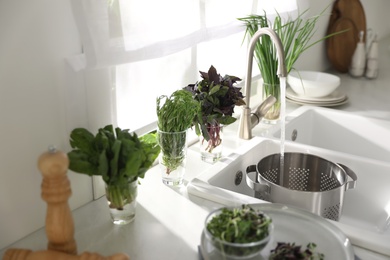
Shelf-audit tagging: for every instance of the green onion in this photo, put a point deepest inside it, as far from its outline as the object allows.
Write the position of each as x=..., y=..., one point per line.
x=294, y=34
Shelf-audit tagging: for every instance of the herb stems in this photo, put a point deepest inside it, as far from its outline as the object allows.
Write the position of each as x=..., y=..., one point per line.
x=172, y=149
x=120, y=195
x=214, y=132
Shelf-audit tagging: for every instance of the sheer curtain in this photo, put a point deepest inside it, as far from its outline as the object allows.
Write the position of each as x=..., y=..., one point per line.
x=155, y=47
x=136, y=50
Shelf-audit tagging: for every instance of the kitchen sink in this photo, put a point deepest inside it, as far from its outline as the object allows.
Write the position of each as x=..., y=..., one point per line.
x=365, y=218
x=338, y=131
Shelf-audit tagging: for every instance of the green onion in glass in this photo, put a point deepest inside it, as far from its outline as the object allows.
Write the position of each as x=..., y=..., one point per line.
x=295, y=36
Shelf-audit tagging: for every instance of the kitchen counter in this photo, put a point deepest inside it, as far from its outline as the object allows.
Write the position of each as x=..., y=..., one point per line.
x=169, y=221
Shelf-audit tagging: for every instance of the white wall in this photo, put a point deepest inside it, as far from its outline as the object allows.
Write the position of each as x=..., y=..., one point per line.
x=39, y=104
x=42, y=100
x=377, y=16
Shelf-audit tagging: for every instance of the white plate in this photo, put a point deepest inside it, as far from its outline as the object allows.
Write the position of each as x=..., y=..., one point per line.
x=320, y=104
x=336, y=96
x=300, y=227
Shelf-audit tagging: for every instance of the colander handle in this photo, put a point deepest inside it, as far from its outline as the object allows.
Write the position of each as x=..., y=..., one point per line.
x=350, y=184
x=256, y=186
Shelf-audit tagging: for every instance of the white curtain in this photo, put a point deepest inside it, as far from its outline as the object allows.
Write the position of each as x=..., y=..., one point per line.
x=122, y=31
x=156, y=47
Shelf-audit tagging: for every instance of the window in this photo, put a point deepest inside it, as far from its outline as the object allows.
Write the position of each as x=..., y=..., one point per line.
x=148, y=48
x=156, y=47
x=138, y=85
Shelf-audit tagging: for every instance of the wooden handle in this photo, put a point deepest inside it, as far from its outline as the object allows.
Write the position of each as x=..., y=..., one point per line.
x=59, y=222
x=56, y=192
x=23, y=254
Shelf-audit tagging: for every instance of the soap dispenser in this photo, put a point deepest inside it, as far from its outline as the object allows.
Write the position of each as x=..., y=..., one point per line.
x=372, y=60
x=358, y=62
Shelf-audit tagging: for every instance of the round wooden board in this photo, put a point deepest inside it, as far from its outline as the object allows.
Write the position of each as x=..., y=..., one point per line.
x=346, y=14
x=342, y=46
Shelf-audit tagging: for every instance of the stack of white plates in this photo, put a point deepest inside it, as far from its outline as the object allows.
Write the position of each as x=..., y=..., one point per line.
x=336, y=98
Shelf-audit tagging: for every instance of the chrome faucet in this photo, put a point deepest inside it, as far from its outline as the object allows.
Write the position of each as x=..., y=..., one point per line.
x=248, y=119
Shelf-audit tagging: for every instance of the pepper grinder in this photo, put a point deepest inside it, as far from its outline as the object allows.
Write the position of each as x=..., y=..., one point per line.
x=372, y=60
x=358, y=62
x=56, y=191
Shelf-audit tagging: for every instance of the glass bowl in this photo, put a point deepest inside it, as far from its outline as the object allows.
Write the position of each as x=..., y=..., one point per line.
x=235, y=250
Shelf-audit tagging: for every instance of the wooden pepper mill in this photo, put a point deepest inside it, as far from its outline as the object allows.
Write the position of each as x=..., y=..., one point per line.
x=59, y=222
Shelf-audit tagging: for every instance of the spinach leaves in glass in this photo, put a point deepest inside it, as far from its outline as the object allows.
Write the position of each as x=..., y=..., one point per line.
x=115, y=154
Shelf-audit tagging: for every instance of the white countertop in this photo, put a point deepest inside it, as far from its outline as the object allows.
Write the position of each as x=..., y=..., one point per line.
x=169, y=222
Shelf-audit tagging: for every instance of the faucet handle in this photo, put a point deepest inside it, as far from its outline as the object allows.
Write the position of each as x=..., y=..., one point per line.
x=261, y=110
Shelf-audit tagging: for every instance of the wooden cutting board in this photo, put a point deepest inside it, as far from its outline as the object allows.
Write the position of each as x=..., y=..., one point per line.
x=346, y=15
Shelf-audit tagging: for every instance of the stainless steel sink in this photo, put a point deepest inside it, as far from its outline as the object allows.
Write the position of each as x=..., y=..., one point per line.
x=356, y=142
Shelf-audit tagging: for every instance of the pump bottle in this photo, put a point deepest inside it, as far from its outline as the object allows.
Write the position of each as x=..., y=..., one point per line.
x=358, y=62
x=372, y=60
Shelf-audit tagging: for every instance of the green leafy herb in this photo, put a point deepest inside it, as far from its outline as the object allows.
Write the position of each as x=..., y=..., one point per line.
x=295, y=36
x=117, y=155
x=291, y=251
x=217, y=96
x=240, y=225
x=175, y=114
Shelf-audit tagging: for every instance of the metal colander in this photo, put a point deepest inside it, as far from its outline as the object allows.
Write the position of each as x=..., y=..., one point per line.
x=302, y=180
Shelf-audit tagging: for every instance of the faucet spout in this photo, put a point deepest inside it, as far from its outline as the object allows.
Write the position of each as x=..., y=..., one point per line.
x=246, y=120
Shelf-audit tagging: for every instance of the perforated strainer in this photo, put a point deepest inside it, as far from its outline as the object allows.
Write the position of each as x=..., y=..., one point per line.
x=302, y=180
